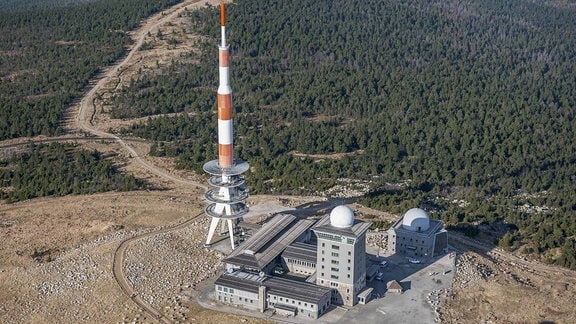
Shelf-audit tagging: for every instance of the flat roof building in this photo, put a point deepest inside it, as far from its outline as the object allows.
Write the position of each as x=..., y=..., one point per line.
x=333, y=271
x=261, y=250
x=261, y=292
x=416, y=235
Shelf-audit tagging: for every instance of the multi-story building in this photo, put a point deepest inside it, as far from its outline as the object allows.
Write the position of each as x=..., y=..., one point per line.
x=416, y=235
x=341, y=255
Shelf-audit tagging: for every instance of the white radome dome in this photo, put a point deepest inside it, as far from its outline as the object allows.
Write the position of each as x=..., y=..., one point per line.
x=416, y=219
x=342, y=217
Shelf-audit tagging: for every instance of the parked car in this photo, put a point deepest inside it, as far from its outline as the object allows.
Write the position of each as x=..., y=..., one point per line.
x=415, y=261
x=383, y=263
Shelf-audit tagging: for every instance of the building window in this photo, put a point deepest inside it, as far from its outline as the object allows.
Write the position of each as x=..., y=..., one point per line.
x=348, y=276
x=349, y=252
x=322, y=266
x=219, y=288
x=322, y=244
x=349, y=261
x=322, y=274
x=334, y=269
x=335, y=262
x=335, y=254
x=231, y=290
x=225, y=289
x=334, y=277
x=335, y=247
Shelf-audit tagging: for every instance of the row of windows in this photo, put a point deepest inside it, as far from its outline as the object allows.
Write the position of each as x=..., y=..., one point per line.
x=336, y=261
x=300, y=262
x=336, y=254
x=288, y=300
x=330, y=237
x=411, y=239
x=225, y=289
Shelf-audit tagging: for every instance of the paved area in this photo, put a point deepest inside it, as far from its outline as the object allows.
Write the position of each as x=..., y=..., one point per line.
x=424, y=284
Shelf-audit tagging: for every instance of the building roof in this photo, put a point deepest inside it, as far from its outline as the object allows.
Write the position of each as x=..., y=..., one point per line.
x=241, y=280
x=394, y=285
x=301, y=251
x=298, y=290
x=355, y=231
x=262, y=247
x=435, y=226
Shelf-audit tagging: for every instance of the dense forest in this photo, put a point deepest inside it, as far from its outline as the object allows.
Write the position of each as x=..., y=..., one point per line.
x=465, y=109
x=49, y=53
x=59, y=170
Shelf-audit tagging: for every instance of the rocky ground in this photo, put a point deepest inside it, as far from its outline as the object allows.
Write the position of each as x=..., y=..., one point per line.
x=493, y=286
x=57, y=254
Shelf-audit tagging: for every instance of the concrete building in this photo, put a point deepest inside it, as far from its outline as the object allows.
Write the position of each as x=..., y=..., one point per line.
x=416, y=235
x=261, y=252
x=261, y=292
x=341, y=255
x=325, y=262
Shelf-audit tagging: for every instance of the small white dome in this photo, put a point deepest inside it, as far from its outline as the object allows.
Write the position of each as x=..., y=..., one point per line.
x=416, y=219
x=342, y=217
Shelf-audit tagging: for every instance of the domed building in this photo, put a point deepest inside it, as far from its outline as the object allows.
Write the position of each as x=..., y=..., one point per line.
x=416, y=235
x=341, y=255
x=330, y=253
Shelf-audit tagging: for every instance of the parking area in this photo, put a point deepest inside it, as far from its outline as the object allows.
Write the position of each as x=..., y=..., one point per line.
x=422, y=284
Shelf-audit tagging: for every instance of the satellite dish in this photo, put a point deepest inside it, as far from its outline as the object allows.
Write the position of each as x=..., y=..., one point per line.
x=261, y=274
x=230, y=270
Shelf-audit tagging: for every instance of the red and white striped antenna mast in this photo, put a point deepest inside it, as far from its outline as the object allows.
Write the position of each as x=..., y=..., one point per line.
x=229, y=193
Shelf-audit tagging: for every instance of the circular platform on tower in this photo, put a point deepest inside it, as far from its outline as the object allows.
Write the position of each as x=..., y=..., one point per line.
x=213, y=168
x=237, y=210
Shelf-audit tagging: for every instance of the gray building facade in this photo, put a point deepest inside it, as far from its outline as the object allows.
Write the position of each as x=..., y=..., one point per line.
x=341, y=255
x=416, y=235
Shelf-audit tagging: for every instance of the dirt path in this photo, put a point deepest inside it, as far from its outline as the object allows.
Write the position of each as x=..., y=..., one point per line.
x=84, y=120
x=87, y=108
x=118, y=267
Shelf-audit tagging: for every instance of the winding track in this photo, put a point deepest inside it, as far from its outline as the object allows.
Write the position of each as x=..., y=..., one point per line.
x=85, y=124
x=87, y=102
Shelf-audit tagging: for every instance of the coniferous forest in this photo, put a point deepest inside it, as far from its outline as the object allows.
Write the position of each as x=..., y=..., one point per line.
x=49, y=50
x=59, y=170
x=462, y=108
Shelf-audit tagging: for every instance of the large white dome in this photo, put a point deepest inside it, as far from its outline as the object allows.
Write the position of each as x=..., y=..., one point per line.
x=416, y=219
x=342, y=217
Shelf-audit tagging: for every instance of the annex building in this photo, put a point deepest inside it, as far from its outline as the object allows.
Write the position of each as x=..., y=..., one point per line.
x=298, y=267
x=416, y=235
